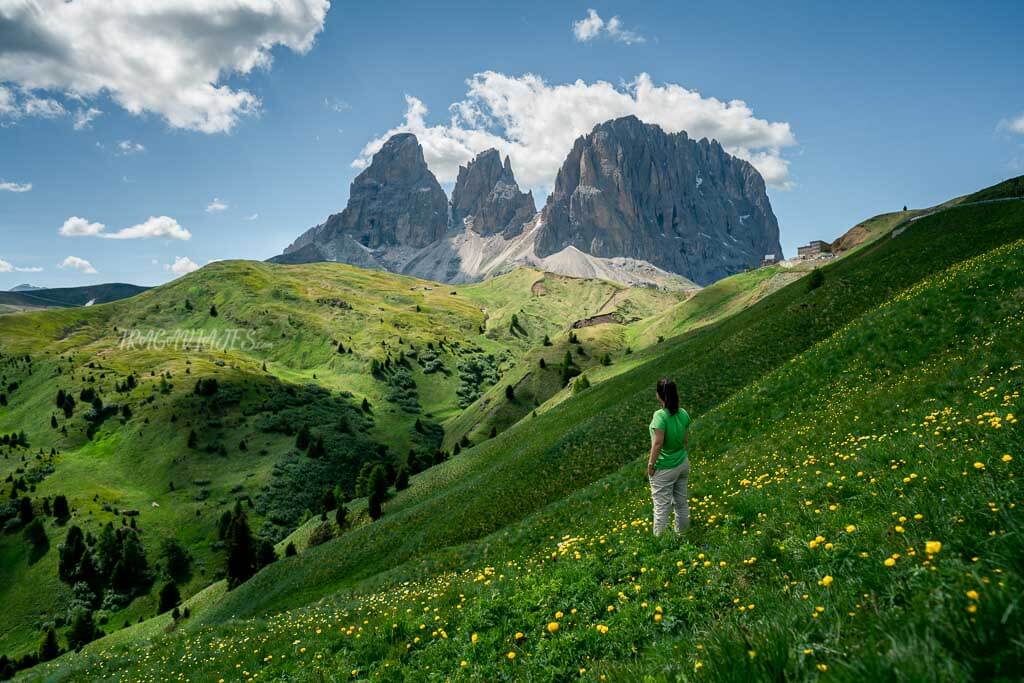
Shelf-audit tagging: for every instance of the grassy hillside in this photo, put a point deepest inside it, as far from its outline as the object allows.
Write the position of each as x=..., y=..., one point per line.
x=1014, y=187
x=855, y=491
x=62, y=297
x=593, y=434
x=170, y=460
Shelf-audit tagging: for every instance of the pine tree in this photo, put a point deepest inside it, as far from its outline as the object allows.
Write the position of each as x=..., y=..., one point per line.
x=60, y=507
x=510, y=393
x=363, y=478
x=302, y=438
x=547, y=340
x=240, y=549
x=170, y=596
x=70, y=553
x=35, y=533
x=48, y=648
x=192, y=439
x=378, y=489
x=132, y=570
x=25, y=510
x=107, y=550
x=213, y=311
x=82, y=630
x=69, y=406
x=289, y=550
x=402, y=478
x=341, y=517
x=53, y=422
x=543, y=364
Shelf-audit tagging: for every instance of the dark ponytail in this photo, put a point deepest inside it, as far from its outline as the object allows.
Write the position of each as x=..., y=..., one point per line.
x=667, y=393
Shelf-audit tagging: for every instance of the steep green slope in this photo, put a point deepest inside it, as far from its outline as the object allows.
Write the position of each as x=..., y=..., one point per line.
x=543, y=459
x=172, y=460
x=855, y=509
x=1014, y=187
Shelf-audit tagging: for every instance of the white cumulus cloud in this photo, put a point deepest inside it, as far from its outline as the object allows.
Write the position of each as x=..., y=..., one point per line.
x=182, y=265
x=215, y=206
x=536, y=123
x=80, y=227
x=168, y=57
x=152, y=227
x=593, y=26
x=7, y=186
x=253, y=217
x=79, y=264
x=126, y=147
x=8, y=267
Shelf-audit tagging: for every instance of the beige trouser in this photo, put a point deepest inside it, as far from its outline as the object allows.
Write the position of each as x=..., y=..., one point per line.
x=668, y=488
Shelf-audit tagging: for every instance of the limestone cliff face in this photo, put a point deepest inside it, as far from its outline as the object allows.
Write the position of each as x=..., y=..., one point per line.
x=396, y=201
x=630, y=202
x=630, y=189
x=487, y=199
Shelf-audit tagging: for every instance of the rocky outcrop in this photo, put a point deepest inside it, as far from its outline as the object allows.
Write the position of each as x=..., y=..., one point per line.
x=396, y=201
x=487, y=199
x=630, y=189
x=631, y=203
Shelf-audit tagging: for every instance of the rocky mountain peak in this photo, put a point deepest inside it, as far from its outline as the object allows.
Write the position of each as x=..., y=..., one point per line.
x=487, y=198
x=395, y=202
x=630, y=189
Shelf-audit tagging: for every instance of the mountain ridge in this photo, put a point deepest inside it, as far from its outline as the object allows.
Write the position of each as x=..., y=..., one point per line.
x=627, y=190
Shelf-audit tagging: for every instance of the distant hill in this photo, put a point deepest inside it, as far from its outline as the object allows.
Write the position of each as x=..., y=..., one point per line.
x=29, y=297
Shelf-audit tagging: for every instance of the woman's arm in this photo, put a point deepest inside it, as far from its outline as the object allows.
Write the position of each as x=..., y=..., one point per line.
x=657, y=441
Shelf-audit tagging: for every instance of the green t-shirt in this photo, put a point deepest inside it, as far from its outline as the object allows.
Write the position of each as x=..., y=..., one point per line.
x=673, y=450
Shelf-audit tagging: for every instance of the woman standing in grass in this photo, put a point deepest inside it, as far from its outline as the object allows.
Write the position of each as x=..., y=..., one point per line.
x=668, y=466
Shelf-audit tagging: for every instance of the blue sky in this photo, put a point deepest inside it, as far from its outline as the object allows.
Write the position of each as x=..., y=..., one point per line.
x=854, y=111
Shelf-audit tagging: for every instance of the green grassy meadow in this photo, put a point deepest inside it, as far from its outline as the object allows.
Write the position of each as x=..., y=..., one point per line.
x=273, y=349
x=854, y=489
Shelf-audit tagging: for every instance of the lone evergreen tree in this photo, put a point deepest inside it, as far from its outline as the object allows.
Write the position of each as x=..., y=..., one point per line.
x=35, y=533
x=60, y=507
x=402, y=478
x=69, y=554
x=48, y=648
x=82, y=630
x=213, y=310
x=25, y=510
x=510, y=393
x=170, y=596
x=240, y=549
x=378, y=489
